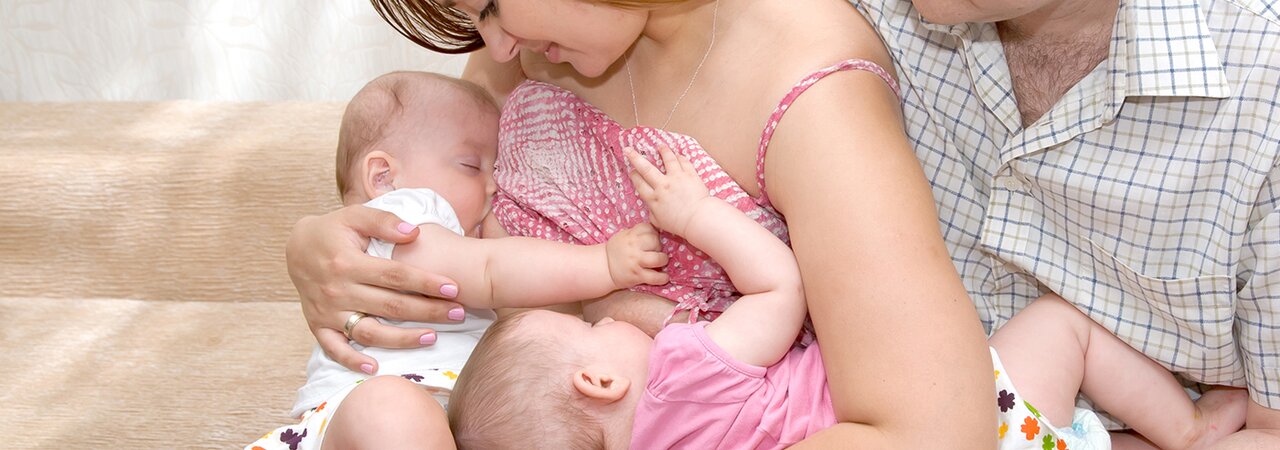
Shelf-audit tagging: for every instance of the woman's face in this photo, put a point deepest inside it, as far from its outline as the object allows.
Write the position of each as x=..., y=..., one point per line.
x=591, y=36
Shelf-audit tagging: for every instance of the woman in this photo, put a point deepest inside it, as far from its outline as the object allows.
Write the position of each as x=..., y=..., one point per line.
x=901, y=341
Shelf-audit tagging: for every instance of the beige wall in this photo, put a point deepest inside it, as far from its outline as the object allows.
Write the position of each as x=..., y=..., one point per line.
x=234, y=50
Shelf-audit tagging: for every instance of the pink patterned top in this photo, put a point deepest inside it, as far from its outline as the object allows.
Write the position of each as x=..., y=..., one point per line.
x=562, y=176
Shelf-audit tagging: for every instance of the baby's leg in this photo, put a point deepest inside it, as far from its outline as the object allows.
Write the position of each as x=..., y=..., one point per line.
x=1052, y=350
x=389, y=412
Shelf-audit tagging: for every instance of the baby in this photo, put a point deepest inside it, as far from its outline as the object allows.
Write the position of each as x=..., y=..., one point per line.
x=736, y=382
x=423, y=146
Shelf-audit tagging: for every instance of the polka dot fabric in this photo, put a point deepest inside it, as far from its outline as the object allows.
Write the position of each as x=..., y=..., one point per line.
x=562, y=176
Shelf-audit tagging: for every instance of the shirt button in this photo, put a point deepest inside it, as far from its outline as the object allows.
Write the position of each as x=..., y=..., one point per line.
x=1012, y=268
x=1011, y=183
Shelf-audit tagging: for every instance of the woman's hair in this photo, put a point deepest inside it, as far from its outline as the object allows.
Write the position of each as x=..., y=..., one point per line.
x=515, y=392
x=442, y=29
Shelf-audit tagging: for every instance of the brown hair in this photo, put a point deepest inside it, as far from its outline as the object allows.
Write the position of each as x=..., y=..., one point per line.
x=514, y=389
x=380, y=103
x=448, y=30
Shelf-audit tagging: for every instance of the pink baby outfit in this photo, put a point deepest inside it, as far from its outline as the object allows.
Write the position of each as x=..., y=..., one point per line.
x=562, y=176
x=698, y=396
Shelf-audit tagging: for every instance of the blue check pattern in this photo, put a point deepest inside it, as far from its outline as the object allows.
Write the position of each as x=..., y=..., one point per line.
x=1147, y=196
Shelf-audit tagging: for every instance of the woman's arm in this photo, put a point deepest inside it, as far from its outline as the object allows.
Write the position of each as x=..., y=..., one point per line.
x=904, y=350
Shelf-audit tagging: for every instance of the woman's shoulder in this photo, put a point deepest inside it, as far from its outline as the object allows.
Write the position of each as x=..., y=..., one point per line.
x=822, y=33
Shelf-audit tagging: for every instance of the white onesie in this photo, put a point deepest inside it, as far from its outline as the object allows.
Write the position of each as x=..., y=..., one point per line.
x=437, y=365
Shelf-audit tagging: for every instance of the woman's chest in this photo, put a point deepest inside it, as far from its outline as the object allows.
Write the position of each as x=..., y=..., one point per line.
x=722, y=121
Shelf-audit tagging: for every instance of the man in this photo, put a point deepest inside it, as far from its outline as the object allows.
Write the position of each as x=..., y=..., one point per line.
x=1122, y=155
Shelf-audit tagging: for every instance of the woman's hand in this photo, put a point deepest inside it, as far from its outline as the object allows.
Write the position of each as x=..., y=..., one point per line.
x=336, y=279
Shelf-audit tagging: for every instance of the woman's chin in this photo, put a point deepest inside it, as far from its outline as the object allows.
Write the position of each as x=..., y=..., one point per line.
x=588, y=70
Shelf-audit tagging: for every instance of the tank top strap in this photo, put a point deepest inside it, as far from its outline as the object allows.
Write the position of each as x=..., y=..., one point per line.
x=803, y=85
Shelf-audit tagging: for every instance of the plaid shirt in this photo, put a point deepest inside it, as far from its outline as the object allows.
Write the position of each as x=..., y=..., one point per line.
x=1147, y=195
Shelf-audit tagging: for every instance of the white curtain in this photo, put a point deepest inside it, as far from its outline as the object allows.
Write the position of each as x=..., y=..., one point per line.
x=232, y=50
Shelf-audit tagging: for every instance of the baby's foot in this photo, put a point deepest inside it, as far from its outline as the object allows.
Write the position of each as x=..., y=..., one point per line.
x=1220, y=412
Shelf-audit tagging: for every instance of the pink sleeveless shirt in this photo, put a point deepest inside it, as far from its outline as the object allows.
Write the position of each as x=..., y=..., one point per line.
x=562, y=176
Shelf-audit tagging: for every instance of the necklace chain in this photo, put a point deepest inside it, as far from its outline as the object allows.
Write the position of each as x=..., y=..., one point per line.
x=715, y=14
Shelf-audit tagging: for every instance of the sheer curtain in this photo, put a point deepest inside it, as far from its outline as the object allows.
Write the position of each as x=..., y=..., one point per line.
x=225, y=50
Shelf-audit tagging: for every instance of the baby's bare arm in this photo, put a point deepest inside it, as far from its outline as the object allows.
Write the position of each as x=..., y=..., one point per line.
x=759, y=327
x=520, y=272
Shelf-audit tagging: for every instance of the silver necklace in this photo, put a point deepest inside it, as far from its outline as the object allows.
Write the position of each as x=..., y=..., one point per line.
x=715, y=14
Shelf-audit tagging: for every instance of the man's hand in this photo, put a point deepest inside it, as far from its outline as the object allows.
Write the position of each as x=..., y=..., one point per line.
x=634, y=256
x=673, y=198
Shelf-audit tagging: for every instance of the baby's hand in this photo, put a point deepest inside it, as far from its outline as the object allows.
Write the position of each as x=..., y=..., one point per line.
x=634, y=257
x=672, y=197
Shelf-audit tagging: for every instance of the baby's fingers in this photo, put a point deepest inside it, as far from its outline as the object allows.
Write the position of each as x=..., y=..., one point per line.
x=685, y=163
x=642, y=186
x=670, y=160
x=647, y=171
x=648, y=236
x=653, y=260
x=654, y=277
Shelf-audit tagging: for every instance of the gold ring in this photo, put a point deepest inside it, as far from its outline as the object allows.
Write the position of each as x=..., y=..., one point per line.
x=351, y=323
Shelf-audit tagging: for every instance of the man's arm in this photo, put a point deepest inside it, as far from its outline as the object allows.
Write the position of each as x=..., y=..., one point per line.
x=521, y=272
x=759, y=327
x=1261, y=430
x=1258, y=324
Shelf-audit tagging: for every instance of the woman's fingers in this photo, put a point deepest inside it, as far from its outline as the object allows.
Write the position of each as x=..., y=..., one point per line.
x=398, y=276
x=380, y=224
x=335, y=344
x=370, y=332
x=397, y=305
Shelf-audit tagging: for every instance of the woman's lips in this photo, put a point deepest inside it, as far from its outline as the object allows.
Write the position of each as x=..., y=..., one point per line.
x=553, y=53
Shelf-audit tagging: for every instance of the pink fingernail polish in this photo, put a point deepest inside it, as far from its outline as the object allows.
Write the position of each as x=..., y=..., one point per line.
x=449, y=291
x=405, y=227
x=367, y=368
x=427, y=339
x=457, y=314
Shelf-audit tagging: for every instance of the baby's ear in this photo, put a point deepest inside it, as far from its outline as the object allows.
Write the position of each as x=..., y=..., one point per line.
x=597, y=384
x=379, y=173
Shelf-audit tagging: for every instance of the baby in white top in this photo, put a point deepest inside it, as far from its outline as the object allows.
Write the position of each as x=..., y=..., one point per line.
x=423, y=146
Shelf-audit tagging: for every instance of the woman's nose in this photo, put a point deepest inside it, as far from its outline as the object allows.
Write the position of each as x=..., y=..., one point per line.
x=502, y=46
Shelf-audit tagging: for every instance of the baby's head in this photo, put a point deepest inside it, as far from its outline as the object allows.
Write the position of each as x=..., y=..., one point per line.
x=550, y=377
x=420, y=130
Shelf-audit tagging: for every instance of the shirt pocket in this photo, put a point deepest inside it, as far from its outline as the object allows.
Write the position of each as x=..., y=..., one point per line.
x=1183, y=323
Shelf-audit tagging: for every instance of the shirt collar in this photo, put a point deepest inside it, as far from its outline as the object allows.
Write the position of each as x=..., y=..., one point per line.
x=1160, y=48
x=1164, y=48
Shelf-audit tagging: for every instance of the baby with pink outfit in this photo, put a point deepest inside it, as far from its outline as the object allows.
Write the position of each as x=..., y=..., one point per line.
x=737, y=382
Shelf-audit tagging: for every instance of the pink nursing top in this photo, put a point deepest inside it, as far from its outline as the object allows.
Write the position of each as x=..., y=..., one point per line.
x=562, y=176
